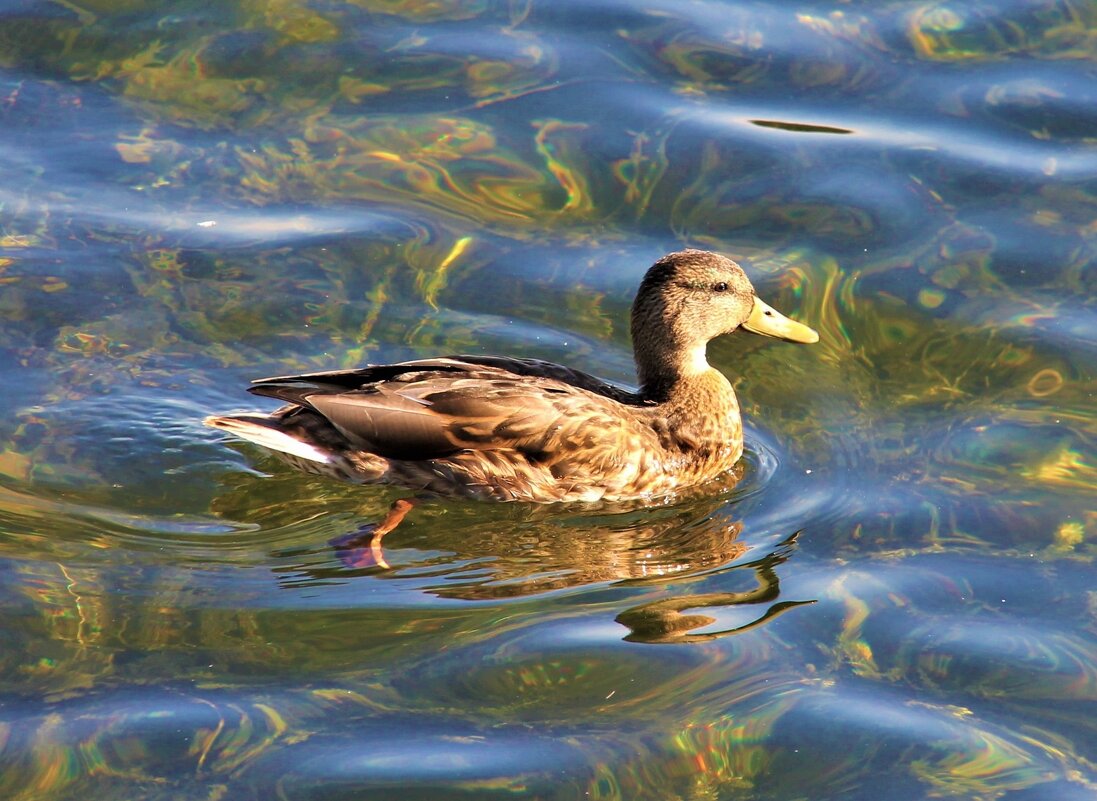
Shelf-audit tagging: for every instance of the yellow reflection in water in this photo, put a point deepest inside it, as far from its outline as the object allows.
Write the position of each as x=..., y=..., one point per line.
x=1065, y=468
x=701, y=759
x=955, y=31
x=990, y=767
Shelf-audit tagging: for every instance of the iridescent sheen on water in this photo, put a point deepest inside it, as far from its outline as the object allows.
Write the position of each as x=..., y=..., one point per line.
x=895, y=601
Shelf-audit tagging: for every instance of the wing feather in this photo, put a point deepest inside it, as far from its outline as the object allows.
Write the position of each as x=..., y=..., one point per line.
x=387, y=423
x=433, y=408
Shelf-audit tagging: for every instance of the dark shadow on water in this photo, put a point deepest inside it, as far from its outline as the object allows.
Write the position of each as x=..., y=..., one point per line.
x=800, y=127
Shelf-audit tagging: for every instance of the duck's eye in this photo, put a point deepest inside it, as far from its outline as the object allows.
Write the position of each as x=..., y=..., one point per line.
x=720, y=287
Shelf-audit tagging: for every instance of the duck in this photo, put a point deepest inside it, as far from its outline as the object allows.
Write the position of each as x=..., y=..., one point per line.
x=511, y=429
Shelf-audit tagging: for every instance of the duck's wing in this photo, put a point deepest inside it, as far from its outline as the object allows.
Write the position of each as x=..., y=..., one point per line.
x=433, y=408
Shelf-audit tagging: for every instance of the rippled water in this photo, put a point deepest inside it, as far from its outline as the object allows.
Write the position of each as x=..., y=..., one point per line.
x=896, y=601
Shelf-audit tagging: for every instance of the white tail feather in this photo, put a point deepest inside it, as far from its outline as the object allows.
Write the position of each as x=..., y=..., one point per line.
x=268, y=437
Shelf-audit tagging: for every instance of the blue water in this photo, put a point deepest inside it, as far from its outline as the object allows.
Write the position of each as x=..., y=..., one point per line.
x=897, y=600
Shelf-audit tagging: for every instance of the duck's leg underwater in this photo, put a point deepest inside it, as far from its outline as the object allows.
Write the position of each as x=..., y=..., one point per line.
x=363, y=547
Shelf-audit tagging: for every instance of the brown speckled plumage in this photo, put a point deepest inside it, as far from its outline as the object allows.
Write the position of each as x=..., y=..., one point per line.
x=502, y=429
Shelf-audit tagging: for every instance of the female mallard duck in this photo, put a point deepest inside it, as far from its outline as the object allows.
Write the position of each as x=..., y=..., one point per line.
x=505, y=429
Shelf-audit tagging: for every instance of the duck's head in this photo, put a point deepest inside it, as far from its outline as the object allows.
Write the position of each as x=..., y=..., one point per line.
x=690, y=297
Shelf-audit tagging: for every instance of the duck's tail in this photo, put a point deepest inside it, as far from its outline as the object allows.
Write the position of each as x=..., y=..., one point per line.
x=267, y=431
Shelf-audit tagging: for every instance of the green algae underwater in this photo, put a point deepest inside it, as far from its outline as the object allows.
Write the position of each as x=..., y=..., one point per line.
x=893, y=597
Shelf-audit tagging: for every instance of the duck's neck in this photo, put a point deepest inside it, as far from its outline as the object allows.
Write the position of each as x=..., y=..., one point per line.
x=669, y=375
x=697, y=411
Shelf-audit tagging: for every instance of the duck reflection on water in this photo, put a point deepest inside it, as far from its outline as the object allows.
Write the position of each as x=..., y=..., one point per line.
x=476, y=553
x=663, y=621
x=493, y=556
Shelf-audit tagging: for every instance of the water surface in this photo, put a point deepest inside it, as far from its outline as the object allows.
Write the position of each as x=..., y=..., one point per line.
x=897, y=599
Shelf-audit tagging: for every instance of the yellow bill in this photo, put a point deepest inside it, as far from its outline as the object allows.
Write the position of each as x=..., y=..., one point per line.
x=767, y=321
